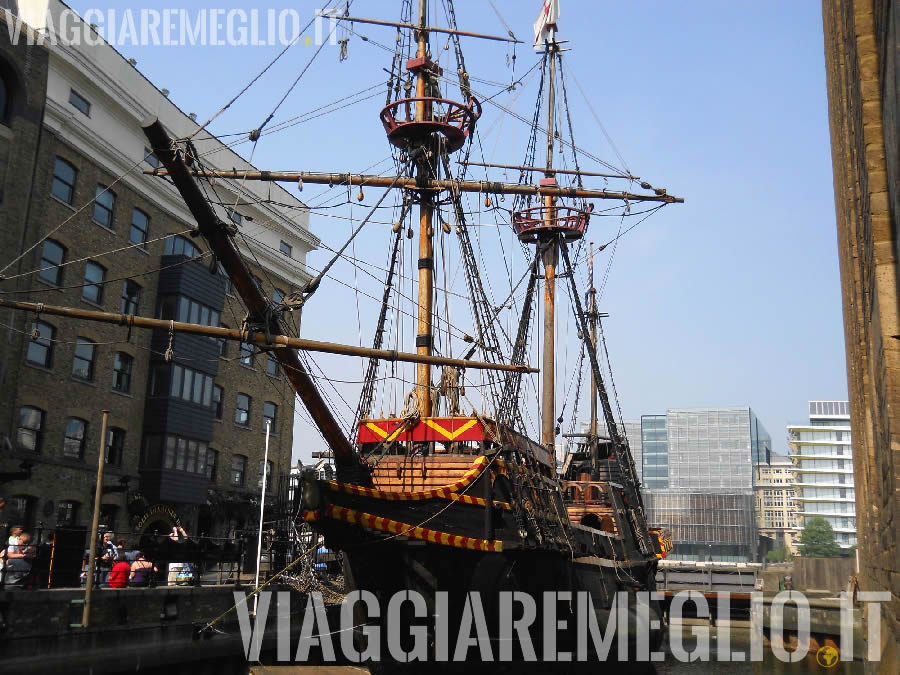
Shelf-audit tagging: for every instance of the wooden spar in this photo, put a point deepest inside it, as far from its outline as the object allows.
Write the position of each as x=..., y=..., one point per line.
x=550, y=244
x=567, y=172
x=481, y=186
x=592, y=316
x=428, y=29
x=259, y=339
x=216, y=234
x=424, y=168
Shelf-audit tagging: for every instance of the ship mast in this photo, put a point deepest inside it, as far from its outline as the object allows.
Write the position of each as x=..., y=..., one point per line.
x=425, y=168
x=593, y=317
x=549, y=243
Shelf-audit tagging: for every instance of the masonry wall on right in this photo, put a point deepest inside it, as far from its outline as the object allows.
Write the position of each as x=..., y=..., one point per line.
x=862, y=58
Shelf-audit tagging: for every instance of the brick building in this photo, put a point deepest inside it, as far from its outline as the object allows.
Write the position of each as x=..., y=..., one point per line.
x=84, y=227
x=862, y=60
x=776, y=512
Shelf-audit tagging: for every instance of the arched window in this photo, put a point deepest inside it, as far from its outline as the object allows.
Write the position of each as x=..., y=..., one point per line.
x=40, y=351
x=73, y=442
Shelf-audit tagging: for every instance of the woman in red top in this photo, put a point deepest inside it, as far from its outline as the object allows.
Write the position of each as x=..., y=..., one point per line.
x=118, y=577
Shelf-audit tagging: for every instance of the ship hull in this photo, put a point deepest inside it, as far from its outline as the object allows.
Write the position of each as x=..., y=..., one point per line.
x=555, y=584
x=388, y=562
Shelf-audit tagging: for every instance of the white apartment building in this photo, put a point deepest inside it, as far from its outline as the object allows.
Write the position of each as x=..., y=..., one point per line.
x=823, y=468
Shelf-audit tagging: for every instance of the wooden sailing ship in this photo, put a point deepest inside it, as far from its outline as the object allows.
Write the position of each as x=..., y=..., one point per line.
x=452, y=501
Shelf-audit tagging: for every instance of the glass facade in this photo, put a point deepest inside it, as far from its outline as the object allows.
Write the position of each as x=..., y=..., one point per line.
x=698, y=468
x=714, y=448
x=655, y=452
x=709, y=525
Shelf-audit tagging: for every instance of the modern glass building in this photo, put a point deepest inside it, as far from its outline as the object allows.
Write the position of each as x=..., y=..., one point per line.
x=823, y=469
x=698, y=468
x=714, y=448
x=706, y=525
x=655, y=452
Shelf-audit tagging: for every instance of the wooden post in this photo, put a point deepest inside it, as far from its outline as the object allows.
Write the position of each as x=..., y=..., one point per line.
x=551, y=259
x=262, y=506
x=95, y=523
x=424, y=331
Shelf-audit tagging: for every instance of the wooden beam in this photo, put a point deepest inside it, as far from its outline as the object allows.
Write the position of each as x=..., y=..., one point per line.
x=259, y=339
x=487, y=187
x=428, y=29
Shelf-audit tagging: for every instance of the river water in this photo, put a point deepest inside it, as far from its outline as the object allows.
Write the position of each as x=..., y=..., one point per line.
x=740, y=642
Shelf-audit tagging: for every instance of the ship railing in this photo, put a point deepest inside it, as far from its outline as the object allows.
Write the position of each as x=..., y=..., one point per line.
x=565, y=220
x=455, y=121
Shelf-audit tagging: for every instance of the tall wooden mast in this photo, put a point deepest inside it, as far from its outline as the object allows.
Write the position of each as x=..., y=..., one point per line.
x=548, y=240
x=425, y=169
x=593, y=318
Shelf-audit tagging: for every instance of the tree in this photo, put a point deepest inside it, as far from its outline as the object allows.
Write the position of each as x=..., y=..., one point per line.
x=778, y=555
x=817, y=539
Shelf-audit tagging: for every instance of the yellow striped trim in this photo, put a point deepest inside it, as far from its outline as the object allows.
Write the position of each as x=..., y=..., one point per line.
x=446, y=433
x=424, y=534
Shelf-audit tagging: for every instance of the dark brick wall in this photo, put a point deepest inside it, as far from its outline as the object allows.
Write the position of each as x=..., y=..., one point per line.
x=26, y=150
x=24, y=72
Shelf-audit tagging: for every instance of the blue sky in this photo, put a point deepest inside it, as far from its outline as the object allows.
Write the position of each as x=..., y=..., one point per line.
x=732, y=298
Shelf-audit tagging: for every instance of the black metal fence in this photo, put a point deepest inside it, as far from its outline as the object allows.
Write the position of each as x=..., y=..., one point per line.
x=61, y=562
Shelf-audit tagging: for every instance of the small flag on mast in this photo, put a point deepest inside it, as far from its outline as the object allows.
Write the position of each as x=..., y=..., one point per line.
x=546, y=19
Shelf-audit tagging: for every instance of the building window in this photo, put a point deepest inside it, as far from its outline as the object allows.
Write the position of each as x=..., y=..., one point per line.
x=79, y=102
x=271, y=365
x=83, y=361
x=228, y=286
x=192, y=386
x=115, y=446
x=40, y=351
x=223, y=344
x=178, y=245
x=104, y=204
x=131, y=297
x=64, y=175
x=122, y=372
x=217, y=395
x=151, y=159
x=259, y=477
x=94, y=277
x=179, y=454
x=52, y=256
x=74, y=439
x=140, y=226
x=234, y=216
x=247, y=354
x=108, y=513
x=31, y=422
x=242, y=410
x=287, y=249
x=238, y=470
x=212, y=463
x=278, y=296
x=270, y=410
x=66, y=513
